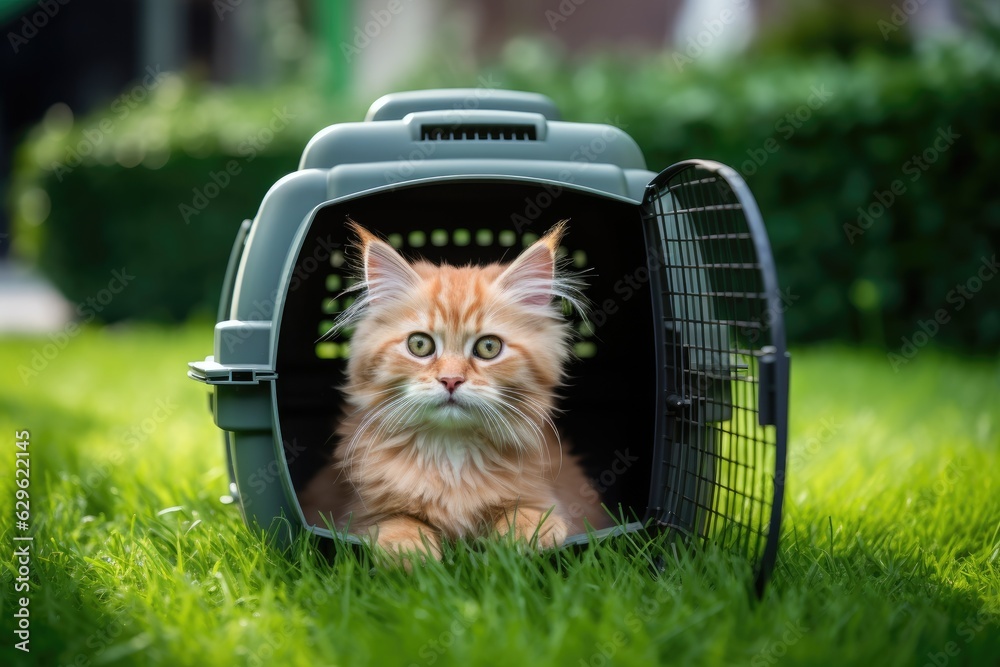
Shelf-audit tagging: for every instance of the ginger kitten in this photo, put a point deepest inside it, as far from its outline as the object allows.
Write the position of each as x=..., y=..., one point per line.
x=450, y=396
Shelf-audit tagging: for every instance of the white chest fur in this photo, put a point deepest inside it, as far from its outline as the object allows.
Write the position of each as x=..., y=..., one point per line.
x=457, y=459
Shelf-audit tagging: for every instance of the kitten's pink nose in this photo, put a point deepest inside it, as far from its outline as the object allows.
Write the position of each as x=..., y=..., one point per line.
x=451, y=383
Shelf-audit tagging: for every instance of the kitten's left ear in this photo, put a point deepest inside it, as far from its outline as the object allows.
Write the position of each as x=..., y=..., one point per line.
x=531, y=277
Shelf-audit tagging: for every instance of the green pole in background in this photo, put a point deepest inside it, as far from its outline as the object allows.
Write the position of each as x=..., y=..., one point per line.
x=11, y=8
x=335, y=20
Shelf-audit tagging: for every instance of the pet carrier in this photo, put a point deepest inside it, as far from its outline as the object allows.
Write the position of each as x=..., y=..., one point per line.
x=678, y=401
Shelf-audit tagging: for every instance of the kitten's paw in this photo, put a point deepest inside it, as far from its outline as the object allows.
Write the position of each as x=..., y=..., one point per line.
x=556, y=534
x=553, y=532
x=404, y=539
x=543, y=529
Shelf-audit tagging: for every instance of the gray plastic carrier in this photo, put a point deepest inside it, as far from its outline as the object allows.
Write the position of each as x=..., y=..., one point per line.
x=678, y=401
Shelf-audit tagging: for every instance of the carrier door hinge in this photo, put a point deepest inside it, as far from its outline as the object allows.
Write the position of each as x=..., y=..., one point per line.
x=677, y=404
x=210, y=372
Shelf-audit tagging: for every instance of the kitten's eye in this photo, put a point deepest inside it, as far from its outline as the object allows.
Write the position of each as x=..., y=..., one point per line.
x=487, y=347
x=420, y=345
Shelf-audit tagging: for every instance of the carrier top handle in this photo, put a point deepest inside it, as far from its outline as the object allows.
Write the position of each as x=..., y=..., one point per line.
x=396, y=105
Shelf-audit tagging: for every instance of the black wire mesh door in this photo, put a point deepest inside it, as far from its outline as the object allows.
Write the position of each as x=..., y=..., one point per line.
x=722, y=367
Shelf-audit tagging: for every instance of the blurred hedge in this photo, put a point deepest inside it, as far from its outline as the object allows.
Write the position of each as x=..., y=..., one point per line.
x=810, y=176
x=152, y=192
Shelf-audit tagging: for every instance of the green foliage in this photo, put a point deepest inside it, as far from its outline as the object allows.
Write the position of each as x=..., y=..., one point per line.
x=982, y=16
x=816, y=138
x=889, y=551
x=815, y=27
x=161, y=192
x=811, y=167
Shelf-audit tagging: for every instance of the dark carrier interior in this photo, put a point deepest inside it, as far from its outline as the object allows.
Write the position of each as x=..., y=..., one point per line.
x=612, y=382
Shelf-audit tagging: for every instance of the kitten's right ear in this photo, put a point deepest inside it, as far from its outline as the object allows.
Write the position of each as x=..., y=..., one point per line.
x=531, y=278
x=387, y=274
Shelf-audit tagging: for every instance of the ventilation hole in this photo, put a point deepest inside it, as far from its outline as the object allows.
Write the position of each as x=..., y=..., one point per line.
x=484, y=237
x=481, y=132
x=327, y=350
x=350, y=281
x=333, y=282
x=461, y=237
x=396, y=241
x=439, y=238
x=567, y=307
x=337, y=259
x=349, y=301
x=586, y=329
x=585, y=350
x=561, y=252
x=331, y=306
x=579, y=259
x=507, y=238
x=528, y=239
x=325, y=326
x=417, y=239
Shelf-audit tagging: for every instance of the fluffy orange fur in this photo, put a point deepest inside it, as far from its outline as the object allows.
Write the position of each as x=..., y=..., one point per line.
x=450, y=444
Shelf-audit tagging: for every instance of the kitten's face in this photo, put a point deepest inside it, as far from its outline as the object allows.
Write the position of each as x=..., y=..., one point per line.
x=473, y=348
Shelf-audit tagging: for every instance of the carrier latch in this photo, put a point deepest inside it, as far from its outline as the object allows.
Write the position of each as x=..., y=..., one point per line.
x=210, y=372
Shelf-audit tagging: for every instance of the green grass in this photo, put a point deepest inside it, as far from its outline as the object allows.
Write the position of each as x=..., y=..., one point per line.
x=890, y=552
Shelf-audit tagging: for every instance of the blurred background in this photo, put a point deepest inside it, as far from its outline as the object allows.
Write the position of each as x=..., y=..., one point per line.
x=867, y=130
